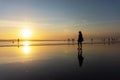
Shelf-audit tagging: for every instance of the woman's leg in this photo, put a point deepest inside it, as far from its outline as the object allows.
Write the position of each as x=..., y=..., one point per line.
x=81, y=45
x=78, y=44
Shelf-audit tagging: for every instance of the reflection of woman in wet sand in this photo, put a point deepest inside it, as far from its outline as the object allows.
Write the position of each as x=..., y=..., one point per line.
x=80, y=57
x=80, y=40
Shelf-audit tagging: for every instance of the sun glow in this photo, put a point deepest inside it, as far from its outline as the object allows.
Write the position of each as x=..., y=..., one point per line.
x=26, y=43
x=26, y=47
x=26, y=33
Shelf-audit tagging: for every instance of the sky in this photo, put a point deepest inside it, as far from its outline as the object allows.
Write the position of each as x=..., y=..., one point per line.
x=59, y=19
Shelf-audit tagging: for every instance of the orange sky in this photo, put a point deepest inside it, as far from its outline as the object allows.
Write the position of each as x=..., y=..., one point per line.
x=58, y=19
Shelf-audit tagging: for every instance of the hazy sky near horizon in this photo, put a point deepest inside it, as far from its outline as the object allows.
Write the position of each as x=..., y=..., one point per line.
x=59, y=19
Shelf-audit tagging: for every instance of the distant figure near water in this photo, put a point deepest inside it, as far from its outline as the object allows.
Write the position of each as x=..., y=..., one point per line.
x=18, y=42
x=80, y=40
x=18, y=39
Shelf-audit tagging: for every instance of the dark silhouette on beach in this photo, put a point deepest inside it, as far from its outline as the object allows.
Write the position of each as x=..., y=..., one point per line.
x=18, y=42
x=80, y=57
x=91, y=40
x=80, y=40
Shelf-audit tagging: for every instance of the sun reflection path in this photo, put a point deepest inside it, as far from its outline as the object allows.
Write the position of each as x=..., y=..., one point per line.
x=26, y=43
x=26, y=47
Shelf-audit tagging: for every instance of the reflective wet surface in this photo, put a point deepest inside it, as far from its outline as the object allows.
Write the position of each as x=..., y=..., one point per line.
x=60, y=62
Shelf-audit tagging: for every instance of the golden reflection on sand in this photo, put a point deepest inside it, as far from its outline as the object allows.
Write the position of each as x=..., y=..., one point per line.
x=26, y=47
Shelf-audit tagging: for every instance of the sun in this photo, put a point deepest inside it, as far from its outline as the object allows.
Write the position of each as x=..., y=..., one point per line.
x=26, y=33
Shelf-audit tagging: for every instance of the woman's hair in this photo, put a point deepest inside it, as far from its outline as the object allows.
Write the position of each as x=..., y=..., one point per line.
x=80, y=32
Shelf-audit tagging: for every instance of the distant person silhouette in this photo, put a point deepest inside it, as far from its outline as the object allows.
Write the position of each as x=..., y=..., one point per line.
x=18, y=42
x=18, y=39
x=80, y=40
x=80, y=57
x=91, y=40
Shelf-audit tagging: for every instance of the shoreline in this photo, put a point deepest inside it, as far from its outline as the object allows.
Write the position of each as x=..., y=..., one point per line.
x=54, y=44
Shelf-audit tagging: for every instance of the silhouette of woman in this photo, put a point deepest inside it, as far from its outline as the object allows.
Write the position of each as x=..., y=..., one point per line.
x=80, y=40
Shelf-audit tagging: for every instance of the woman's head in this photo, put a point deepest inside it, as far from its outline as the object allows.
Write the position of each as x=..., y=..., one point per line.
x=79, y=32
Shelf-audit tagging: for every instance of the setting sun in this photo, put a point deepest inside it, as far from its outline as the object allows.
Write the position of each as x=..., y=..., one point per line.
x=26, y=33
